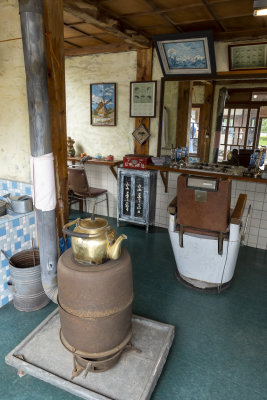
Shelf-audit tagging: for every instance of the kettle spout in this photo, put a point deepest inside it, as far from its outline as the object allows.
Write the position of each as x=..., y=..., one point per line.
x=114, y=251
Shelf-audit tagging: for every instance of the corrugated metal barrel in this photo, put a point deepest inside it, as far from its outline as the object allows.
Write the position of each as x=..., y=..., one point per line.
x=95, y=305
x=26, y=285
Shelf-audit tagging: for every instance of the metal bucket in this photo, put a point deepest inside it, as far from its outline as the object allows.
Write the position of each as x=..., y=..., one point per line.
x=26, y=285
x=2, y=208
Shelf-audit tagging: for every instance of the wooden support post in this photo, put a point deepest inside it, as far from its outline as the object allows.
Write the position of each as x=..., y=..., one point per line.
x=55, y=60
x=143, y=73
x=204, y=124
x=184, y=113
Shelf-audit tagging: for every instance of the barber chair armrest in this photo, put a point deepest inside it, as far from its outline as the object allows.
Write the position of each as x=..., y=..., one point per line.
x=172, y=207
x=239, y=209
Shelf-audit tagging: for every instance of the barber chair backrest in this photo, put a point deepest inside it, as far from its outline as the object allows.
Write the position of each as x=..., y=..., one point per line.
x=206, y=211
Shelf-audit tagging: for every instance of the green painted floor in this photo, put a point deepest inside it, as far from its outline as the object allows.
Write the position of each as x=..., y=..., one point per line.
x=220, y=346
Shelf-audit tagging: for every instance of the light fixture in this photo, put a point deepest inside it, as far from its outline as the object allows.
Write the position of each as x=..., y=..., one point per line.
x=260, y=7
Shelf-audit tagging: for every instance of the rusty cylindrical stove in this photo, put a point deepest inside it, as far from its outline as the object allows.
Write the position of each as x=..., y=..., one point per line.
x=95, y=307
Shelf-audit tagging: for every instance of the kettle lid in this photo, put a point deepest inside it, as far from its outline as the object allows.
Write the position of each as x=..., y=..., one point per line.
x=90, y=223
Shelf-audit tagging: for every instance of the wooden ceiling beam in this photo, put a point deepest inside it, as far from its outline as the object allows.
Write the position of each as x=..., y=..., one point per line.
x=168, y=10
x=72, y=44
x=236, y=16
x=90, y=14
x=105, y=48
x=166, y=17
x=248, y=34
x=83, y=33
x=213, y=14
x=97, y=36
x=183, y=24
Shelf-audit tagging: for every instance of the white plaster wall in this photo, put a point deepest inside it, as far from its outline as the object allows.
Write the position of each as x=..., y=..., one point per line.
x=105, y=68
x=99, y=68
x=80, y=72
x=14, y=124
x=221, y=53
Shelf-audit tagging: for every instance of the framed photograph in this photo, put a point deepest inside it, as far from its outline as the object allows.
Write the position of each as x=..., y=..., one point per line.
x=103, y=104
x=247, y=56
x=186, y=54
x=143, y=99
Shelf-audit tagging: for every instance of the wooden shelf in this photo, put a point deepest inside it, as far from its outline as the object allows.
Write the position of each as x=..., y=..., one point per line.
x=164, y=171
x=96, y=161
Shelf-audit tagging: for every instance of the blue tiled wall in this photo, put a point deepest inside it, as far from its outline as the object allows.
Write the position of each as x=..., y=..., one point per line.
x=14, y=188
x=17, y=233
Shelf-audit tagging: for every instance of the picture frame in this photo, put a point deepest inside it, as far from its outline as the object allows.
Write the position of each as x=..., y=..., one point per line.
x=247, y=56
x=186, y=54
x=141, y=134
x=103, y=104
x=143, y=99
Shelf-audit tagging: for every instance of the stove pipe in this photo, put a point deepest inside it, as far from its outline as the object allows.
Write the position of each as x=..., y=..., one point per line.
x=33, y=39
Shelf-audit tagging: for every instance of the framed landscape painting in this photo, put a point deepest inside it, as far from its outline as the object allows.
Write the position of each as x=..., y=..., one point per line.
x=186, y=54
x=103, y=104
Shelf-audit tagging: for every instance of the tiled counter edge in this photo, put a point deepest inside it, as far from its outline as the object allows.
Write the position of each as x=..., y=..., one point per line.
x=256, y=234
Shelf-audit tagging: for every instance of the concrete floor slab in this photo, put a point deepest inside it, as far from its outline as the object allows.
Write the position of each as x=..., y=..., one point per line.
x=42, y=355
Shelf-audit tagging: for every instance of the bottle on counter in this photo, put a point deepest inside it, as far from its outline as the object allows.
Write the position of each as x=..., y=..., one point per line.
x=178, y=154
x=173, y=153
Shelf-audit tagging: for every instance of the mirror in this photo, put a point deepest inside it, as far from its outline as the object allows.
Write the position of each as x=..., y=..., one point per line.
x=186, y=107
x=208, y=121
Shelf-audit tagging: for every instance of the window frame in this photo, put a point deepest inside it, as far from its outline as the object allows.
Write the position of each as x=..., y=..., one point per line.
x=248, y=107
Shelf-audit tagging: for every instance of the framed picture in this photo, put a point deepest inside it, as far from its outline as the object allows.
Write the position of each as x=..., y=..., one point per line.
x=186, y=54
x=141, y=134
x=247, y=56
x=143, y=99
x=103, y=104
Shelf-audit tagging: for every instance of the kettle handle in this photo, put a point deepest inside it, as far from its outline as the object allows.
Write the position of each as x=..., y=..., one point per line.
x=71, y=233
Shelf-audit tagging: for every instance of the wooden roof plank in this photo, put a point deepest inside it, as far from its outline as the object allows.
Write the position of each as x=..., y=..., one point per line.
x=82, y=34
x=91, y=15
x=213, y=14
x=248, y=34
x=166, y=17
x=108, y=48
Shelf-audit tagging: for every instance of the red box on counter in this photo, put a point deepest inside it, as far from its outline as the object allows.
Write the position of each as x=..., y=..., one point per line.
x=135, y=161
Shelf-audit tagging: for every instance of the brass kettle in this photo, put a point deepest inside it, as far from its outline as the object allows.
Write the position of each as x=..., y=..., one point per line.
x=93, y=241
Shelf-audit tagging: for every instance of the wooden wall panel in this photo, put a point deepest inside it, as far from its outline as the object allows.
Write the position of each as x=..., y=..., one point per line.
x=143, y=73
x=55, y=59
x=205, y=124
x=184, y=113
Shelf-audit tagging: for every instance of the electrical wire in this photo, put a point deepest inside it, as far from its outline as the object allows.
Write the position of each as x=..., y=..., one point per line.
x=220, y=286
x=9, y=40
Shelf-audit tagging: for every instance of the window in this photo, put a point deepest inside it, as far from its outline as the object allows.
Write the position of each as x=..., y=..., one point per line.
x=194, y=130
x=239, y=128
x=259, y=96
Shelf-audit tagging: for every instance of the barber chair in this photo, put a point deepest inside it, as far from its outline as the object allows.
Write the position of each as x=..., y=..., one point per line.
x=205, y=233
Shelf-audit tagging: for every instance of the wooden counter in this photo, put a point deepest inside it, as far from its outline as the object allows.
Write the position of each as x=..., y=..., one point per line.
x=164, y=173
x=96, y=161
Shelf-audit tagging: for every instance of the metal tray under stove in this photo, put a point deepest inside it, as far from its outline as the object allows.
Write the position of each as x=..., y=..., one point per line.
x=42, y=355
